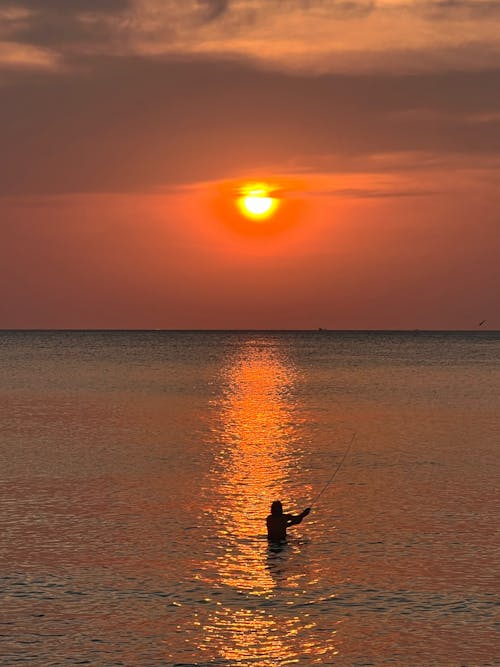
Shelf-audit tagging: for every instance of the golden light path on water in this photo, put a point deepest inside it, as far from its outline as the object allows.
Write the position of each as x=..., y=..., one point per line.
x=254, y=622
x=259, y=435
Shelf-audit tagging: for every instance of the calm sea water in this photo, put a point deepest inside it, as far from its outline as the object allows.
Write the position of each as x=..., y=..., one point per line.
x=137, y=469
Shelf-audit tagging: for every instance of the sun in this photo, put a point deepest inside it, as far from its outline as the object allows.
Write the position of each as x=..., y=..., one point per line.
x=256, y=201
x=257, y=205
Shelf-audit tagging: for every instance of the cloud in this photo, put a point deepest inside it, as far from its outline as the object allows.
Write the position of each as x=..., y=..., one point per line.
x=71, y=6
x=129, y=124
x=361, y=193
x=314, y=36
x=460, y=9
x=18, y=56
x=12, y=20
x=214, y=8
x=64, y=25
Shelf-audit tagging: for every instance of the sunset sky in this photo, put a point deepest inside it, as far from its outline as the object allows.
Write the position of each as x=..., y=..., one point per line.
x=128, y=129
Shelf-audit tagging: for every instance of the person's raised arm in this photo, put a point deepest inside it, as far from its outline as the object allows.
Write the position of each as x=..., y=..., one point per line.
x=293, y=520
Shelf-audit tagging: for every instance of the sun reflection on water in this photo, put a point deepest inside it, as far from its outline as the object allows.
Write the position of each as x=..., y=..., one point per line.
x=259, y=437
x=248, y=632
x=254, y=619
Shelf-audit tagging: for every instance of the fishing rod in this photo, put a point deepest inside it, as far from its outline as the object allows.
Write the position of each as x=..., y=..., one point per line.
x=335, y=471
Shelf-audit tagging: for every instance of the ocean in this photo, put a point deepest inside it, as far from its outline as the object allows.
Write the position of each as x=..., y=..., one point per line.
x=138, y=468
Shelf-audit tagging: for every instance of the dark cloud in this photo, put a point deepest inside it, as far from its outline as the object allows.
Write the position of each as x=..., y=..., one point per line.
x=352, y=8
x=70, y=6
x=132, y=124
x=363, y=193
x=214, y=8
x=57, y=23
x=346, y=6
x=60, y=30
x=466, y=9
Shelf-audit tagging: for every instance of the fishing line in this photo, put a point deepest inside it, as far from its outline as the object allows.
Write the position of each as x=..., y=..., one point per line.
x=335, y=471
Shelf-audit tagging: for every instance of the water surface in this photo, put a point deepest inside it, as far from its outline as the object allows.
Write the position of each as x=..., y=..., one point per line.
x=138, y=469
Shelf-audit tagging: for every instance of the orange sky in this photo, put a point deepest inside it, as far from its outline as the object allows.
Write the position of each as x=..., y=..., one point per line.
x=127, y=126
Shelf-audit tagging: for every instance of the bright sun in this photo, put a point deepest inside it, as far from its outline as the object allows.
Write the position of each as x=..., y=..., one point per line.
x=257, y=202
x=257, y=205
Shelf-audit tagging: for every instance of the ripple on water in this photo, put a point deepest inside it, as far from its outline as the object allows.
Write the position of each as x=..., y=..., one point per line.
x=137, y=471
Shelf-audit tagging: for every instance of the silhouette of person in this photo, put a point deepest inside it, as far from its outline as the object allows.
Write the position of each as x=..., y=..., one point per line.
x=277, y=522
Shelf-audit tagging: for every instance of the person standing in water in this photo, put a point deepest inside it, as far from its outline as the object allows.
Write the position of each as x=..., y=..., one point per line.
x=277, y=522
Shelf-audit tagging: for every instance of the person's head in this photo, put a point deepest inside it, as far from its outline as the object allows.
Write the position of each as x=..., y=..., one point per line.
x=277, y=508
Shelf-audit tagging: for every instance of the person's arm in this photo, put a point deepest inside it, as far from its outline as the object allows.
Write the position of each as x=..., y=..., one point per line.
x=293, y=520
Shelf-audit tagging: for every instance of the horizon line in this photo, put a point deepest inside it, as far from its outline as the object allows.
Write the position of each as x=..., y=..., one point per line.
x=238, y=330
